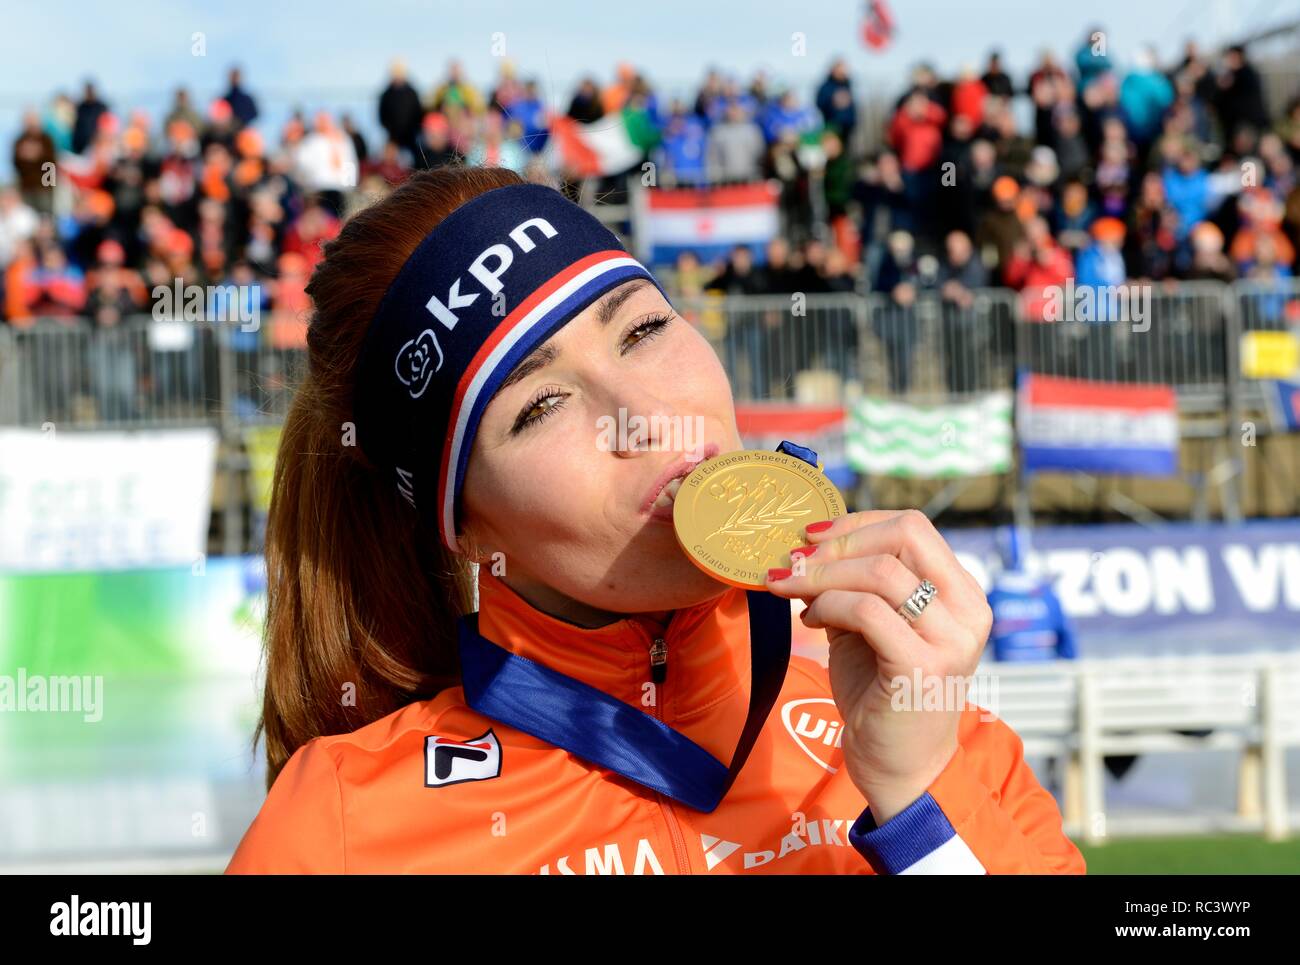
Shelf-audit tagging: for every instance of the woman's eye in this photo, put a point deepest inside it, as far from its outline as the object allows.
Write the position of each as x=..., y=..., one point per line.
x=536, y=411
x=646, y=330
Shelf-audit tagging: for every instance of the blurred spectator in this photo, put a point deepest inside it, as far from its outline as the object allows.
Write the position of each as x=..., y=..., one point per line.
x=1038, y=267
x=456, y=93
x=835, y=100
x=1075, y=214
x=685, y=143
x=434, y=147
x=916, y=133
x=33, y=159
x=1187, y=188
x=18, y=222
x=1153, y=247
x=586, y=107
x=1144, y=96
x=776, y=276
x=690, y=276
x=388, y=165
x=739, y=276
x=110, y=265
x=58, y=288
x=111, y=355
x=1240, y=95
x=895, y=322
x=400, y=111
x=500, y=145
x=89, y=110
x=1261, y=217
x=995, y=79
x=745, y=338
x=1000, y=230
x=1101, y=265
x=1029, y=623
x=183, y=110
x=960, y=274
x=242, y=103
x=325, y=162
x=1209, y=263
x=309, y=232
x=968, y=96
x=19, y=291
x=735, y=147
x=1091, y=59
x=359, y=146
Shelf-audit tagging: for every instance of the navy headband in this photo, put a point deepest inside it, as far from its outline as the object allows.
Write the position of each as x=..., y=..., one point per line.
x=487, y=286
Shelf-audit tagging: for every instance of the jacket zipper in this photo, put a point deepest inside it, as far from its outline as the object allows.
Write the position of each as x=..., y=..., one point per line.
x=659, y=673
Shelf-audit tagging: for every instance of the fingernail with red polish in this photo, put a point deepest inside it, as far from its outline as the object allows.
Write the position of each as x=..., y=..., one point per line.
x=777, y=573
x=825, y=524
x=808, y=550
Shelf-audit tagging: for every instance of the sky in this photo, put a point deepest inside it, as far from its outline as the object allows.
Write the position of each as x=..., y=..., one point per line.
x=332, y=54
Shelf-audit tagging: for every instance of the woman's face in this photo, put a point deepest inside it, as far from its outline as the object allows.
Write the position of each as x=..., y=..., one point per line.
x=570, y=456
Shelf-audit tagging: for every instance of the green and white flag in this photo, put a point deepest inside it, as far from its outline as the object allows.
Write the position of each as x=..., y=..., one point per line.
x=888, y=438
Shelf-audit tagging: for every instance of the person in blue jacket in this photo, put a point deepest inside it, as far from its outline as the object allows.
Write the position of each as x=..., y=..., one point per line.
x=1028, y=622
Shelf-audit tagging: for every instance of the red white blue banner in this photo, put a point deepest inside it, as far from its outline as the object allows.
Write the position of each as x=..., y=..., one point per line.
x=1101, y=427
x=706, y=221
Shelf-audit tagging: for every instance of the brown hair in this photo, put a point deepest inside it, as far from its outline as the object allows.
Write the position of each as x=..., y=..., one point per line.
x=362, y=597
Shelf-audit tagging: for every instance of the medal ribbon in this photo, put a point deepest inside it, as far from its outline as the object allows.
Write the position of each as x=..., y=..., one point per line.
x=609, y=733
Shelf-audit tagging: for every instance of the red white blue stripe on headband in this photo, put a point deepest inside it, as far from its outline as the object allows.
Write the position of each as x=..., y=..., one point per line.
x=486, y=287
x=519, y=334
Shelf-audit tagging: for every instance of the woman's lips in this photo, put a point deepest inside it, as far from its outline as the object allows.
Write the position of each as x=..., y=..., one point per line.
x=662, y=511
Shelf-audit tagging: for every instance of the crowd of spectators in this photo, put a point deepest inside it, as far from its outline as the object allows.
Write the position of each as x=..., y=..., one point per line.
x=1092, y=170
x=1119, y=174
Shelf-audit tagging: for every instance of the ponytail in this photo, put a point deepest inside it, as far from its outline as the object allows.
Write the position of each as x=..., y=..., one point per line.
x=362, y=598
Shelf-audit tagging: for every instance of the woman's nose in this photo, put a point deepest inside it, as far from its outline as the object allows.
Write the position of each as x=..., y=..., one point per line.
x=646, y=424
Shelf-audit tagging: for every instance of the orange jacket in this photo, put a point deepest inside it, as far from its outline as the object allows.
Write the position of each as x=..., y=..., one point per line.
x=384, y=798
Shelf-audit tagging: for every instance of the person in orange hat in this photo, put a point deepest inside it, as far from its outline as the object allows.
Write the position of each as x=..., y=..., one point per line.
x=1109, y=230
x=1262, y=217
x=616, y=94
x=135, y=140
x=1002, y=228
x=1101, y=267
x=251, y=166
x=110, y=268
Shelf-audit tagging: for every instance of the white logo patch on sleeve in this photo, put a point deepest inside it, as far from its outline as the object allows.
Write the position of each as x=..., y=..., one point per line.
x=450, y=760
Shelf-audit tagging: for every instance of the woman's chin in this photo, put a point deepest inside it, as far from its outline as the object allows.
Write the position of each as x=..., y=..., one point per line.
x=688, y=584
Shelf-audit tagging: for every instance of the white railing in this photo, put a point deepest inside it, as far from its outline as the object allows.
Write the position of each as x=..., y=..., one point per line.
x=1080, y=712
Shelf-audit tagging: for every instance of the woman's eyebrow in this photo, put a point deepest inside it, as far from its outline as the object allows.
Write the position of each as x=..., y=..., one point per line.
x=608, y=307
x=545, y=354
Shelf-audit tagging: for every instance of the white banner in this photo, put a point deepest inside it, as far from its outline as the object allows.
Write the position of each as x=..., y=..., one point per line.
x=104, y=500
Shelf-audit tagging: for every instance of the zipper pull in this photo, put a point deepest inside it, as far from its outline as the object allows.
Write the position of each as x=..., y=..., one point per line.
x=658, y=660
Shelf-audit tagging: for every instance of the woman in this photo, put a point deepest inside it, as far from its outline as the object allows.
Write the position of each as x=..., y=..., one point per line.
x=471, y=335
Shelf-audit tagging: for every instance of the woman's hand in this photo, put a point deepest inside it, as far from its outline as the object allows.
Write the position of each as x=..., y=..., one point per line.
x=857, y=574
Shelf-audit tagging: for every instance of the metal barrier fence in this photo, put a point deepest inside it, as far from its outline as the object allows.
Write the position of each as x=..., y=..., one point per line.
x=823, y=348
x=144, y=372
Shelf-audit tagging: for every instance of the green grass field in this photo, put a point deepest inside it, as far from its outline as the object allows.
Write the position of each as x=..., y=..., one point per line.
x=1222, y=854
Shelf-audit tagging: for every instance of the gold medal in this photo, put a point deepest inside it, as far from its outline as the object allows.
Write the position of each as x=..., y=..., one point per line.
x=741, y=513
